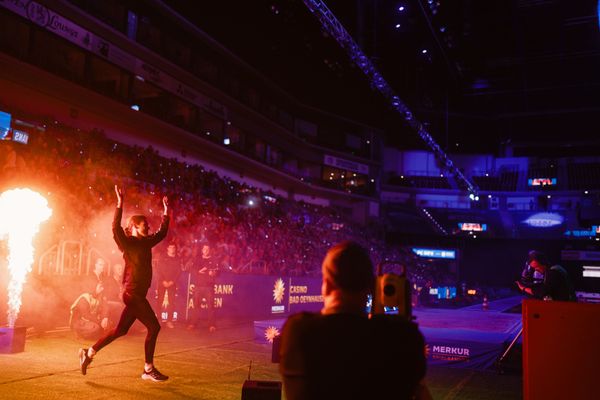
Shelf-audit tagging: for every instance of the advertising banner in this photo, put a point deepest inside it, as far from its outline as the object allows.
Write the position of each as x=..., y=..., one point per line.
x=263, y=296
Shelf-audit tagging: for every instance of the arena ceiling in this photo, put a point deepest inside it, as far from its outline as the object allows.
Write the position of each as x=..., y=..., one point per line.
x=479, y=73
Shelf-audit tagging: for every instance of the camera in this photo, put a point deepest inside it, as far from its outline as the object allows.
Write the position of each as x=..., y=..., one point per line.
x=392, y=290
x=530, y=277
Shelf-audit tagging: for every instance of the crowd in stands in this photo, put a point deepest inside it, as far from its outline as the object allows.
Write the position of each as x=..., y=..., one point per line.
x=247, y=229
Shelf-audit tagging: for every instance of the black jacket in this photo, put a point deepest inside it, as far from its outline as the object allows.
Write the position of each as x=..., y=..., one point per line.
x=137, y=253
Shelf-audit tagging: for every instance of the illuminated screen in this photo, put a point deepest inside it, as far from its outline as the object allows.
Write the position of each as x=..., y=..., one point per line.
x=541, y=181
x=434, y=253
x=446, y=292
x=587, y=233
x=472, y=227
x=4, y=126
x=20, y=136
x=591, y=271
x=544, y=220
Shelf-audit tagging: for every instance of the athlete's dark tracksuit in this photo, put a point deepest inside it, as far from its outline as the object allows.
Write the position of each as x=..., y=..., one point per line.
x=137, y=253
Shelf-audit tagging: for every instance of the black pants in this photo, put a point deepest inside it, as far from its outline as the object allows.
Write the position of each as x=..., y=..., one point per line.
x=204, y=301
x=136, y=307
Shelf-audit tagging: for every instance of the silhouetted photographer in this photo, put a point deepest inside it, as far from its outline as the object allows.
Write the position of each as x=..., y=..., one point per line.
x=545, y=282
x=340, y=353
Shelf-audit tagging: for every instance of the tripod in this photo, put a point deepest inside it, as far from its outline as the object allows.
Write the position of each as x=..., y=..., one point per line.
x=509, y=348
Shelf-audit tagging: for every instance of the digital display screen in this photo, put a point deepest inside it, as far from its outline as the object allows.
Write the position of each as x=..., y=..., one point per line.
x=20, y=136
x=5, y=126
x=591, y=271
x=583, y=232
x=446, y=292
x=472, y=227
x=544, y=220
x=541, y=181
x=434, y=253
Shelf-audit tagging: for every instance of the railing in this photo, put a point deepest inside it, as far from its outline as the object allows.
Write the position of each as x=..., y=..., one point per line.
x=67, y=258
x=75, y=262
x=45, y=256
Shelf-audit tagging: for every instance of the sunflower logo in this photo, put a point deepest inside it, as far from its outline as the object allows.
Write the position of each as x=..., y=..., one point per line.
x=271, y=333
x=278, y=291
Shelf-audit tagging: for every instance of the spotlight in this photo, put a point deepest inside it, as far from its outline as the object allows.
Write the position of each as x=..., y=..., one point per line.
x=135, y=107
x=401, y=8
x=424, y=51
x=398, y=26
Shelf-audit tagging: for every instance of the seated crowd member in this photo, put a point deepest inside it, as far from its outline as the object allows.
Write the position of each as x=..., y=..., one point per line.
x=340, y=353
x=89, y=317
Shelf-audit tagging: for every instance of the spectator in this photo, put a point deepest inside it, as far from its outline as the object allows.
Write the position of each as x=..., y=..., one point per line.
x=207, y=270
x=340, y=353
x=167, y=275
x=89, y=317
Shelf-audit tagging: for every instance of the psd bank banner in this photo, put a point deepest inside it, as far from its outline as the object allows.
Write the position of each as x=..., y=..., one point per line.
x=265, y=296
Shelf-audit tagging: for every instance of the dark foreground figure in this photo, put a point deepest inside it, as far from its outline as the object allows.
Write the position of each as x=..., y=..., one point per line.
x=342, y=354
x=555, y=283
x=136, y=245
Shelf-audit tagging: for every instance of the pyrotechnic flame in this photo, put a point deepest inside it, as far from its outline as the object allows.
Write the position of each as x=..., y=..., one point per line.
x=21, y=213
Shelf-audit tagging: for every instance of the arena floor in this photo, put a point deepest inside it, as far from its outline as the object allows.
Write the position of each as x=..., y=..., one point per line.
x=201, y=365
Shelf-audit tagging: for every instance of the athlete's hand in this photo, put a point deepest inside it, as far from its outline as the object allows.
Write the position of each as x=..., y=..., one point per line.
x=165, y=201
x=119, y=193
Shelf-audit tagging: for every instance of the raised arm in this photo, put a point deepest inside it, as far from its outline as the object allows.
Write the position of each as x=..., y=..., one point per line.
x=164, y=226
x=118, y=233
x=119, y=193
x=165, y=201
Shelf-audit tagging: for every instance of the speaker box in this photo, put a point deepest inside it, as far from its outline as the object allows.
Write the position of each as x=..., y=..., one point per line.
x=261, y=390
x=275, y=349
x=12, y=340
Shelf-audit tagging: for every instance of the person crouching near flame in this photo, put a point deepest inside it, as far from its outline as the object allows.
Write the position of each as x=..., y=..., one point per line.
x=89, y=314
x=136, y=246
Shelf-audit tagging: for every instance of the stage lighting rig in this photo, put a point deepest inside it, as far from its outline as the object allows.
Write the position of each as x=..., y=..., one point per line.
x=336, y=30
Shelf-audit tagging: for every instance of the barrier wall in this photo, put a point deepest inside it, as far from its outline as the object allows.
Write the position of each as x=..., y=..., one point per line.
x=263, y=297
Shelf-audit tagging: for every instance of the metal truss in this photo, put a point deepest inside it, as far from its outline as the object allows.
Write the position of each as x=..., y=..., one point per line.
x=334, y=28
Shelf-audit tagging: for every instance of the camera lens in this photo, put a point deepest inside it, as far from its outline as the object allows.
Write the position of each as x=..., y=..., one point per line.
x=389, y=290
